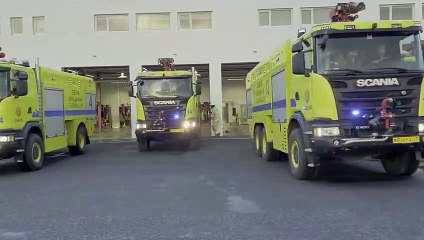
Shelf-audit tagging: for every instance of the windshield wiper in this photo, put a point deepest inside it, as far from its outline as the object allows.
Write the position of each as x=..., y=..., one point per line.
x=345, y=71
x=398, y=69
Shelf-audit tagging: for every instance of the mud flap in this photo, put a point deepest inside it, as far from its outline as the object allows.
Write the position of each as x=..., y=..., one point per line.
x=313, y=160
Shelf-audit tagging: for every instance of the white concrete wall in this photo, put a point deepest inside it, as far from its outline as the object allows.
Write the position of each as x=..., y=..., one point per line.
x=70, y=39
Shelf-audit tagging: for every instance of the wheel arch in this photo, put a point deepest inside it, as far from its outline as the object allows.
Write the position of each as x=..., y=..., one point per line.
x=72, y=128
x=32, y=128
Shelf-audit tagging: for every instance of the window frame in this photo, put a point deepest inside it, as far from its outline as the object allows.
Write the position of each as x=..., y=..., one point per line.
x=269, y=11
x=137, y=15
x=390, y=6
x=191, y=20
x=34, y=24
x=108, y=21
x=12, y=26
x=311, y=10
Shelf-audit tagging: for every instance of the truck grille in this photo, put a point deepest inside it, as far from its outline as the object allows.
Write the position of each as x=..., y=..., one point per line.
x=351, y=99
x=162, y=118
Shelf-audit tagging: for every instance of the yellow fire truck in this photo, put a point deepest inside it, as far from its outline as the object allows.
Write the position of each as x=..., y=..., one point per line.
x=168, y=106
x=43, y=111
x=342, y=89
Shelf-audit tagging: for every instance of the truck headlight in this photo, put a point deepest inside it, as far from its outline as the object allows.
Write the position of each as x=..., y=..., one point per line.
x=189, y=124
x=420, y=127
x=141, y=126
x=326, y=132
x=7, y=138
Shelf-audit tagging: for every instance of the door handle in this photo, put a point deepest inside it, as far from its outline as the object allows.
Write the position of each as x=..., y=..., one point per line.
x=29, y=110
x=296, y=96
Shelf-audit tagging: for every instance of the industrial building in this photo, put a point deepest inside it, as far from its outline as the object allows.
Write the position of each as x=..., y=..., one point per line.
x=112, y=41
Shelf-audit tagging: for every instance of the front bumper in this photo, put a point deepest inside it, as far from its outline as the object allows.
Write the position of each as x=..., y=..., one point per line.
x=8, y=150
x=323, y=145
x=165, y=135
x=9, y=146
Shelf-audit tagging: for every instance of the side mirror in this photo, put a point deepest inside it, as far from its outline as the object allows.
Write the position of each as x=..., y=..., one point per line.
x=198, y=89
x=298, y=63
x=297, y=47
x=20, y=87
x=23, y=76
x=130, y=89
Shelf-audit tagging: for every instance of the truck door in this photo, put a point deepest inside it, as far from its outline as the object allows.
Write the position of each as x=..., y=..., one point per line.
x=301, y=85
x=25, y=107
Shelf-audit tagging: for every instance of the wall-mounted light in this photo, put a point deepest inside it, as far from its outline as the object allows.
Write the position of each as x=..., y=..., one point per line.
x=122, y=76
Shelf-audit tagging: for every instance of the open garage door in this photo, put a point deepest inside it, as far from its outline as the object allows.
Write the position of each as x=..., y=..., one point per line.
x=234, y=112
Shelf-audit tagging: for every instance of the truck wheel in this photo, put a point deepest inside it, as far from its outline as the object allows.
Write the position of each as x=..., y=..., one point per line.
x=403, y=164
x=81, y=142
x=143, y=145
x=258, y=140
x=297, y=157
x=268, y=153
x=33, y=157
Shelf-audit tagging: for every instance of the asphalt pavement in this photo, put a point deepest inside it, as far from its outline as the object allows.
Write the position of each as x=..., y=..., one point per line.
x=222, y=191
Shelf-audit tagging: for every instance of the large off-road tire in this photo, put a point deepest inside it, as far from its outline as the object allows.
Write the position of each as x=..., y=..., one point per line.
x=268, y=153
x=297, y=157
x=144, y=145
x=33, y=156
x=400, y=164
x=257, y=141
x=81, y=142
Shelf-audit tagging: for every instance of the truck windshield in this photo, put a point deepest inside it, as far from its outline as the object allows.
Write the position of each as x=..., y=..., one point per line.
x=369, y=52
x=4, y=85
x=165, y=88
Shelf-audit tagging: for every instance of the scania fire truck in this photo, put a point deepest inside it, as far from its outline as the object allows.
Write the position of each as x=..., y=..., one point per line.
x=168, y=105
x=43, y=111
x=342, y=89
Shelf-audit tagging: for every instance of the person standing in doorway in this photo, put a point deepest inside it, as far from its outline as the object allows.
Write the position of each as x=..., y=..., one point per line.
x=216, y=121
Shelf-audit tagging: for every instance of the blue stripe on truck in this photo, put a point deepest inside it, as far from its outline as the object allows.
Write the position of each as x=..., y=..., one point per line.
x=69, y=113
x=275, y=105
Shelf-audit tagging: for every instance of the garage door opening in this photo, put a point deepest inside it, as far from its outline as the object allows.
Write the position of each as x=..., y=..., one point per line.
x=234, y=112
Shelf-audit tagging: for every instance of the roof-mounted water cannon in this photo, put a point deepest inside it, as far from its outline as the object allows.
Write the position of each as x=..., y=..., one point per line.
x=346, y=12
x=166, y=63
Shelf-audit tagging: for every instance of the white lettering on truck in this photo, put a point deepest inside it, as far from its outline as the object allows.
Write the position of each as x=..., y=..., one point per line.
x=377, y=82
x=170, y=102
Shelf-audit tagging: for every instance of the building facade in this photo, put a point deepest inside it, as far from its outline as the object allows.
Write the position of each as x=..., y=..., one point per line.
x=133, y=33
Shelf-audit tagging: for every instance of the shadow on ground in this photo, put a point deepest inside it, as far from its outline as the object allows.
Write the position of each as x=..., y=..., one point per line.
x=10, y=167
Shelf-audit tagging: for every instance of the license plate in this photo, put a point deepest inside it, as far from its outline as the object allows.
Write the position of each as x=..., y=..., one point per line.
x=176, y=130
x=413, y=139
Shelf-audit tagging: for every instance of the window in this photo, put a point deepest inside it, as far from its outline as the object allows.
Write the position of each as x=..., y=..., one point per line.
x=195, y=20
x=38, y=24
x=153, y=21
x=422, y=10
x=275, y=17
x=16, y=25
x=316, y=15
x=112, y=22
x=307, y=49
x=396, y=12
